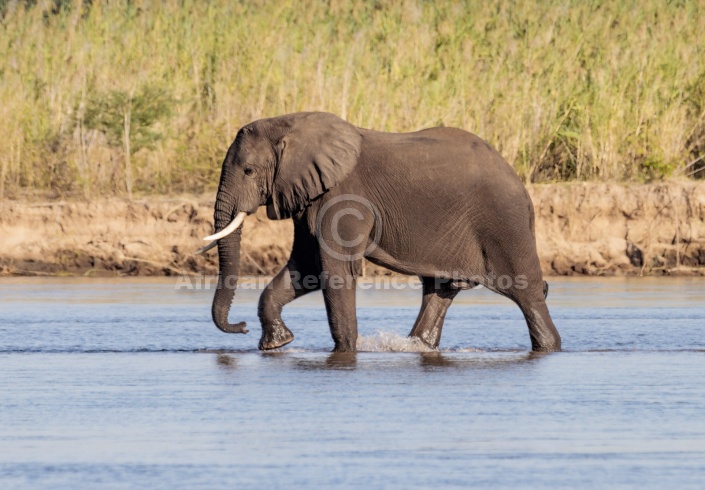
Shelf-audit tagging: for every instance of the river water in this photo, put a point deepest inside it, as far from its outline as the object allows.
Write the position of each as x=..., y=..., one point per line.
x=126, y=384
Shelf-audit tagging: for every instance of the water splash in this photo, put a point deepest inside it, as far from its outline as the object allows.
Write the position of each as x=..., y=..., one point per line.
x=390, y=342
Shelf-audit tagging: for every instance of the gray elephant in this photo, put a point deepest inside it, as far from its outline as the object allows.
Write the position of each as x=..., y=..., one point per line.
x=440, y=204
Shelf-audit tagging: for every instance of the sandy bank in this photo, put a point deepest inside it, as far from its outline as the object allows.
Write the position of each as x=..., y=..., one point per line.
x=594, y=229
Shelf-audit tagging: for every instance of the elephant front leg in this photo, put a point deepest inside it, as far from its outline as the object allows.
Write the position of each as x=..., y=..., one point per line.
x=437, y=298
x=286, y=286
x=339, y=296
x=278, y=293
x=344, y=235
x=300, y=276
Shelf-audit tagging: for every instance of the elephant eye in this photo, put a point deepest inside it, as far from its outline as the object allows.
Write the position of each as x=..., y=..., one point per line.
x=249, y=171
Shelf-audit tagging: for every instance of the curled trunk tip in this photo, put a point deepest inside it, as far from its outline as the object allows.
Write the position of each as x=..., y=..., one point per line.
x=228, y=273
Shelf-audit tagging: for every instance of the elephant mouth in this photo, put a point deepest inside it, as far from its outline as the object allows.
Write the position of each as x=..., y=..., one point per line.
x=231, y=227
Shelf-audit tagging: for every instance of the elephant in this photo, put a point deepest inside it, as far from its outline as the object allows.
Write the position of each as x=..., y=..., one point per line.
x=439, y=203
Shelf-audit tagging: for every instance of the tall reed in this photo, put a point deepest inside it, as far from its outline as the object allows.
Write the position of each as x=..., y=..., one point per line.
x=564, y=89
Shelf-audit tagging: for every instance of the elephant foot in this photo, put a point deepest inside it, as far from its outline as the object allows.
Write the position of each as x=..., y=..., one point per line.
x=343, y=350
x=547, y=344
x=274, y=336
x=556, y=347
x=431, y=344
x=345, y=346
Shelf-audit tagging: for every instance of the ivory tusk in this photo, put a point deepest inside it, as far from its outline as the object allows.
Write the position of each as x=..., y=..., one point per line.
x=206, y=248
x=234, y=225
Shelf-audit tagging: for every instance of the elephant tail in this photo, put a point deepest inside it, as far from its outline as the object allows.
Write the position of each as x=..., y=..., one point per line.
x=532, y=218
x=545, y=289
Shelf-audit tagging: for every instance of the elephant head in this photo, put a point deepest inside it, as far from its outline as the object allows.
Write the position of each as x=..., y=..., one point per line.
x=284, y=163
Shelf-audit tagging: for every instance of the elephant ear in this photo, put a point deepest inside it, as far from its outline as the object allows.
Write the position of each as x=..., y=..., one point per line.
x=316, y=153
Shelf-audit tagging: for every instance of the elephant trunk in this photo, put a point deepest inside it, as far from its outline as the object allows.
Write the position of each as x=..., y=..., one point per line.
x=228, y=272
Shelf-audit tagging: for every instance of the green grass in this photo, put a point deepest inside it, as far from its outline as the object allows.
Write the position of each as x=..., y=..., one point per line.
x=565, y=90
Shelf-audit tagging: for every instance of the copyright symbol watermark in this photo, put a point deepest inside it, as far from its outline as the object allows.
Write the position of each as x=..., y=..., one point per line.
x=335, y=238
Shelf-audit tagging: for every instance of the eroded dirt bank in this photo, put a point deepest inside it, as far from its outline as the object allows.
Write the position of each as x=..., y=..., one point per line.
x=595, y=229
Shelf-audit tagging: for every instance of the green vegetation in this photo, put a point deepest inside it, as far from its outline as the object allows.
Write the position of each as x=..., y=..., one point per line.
x=127, y=119
x=91, y=92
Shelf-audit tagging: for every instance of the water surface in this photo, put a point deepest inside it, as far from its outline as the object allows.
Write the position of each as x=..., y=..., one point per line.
x=126, y=383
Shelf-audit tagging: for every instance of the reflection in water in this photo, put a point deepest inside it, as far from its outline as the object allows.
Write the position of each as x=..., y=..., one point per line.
x=391, y=361
x=434, y=360
x=226, y=362
x=341, y=360
x=332, y=362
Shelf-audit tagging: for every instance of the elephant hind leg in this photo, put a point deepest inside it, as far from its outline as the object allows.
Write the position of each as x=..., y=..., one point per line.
x=516, y=274
x=532, y=302
x=437, y=298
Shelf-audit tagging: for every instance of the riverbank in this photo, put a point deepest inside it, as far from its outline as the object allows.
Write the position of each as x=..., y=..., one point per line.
x=581, y=229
